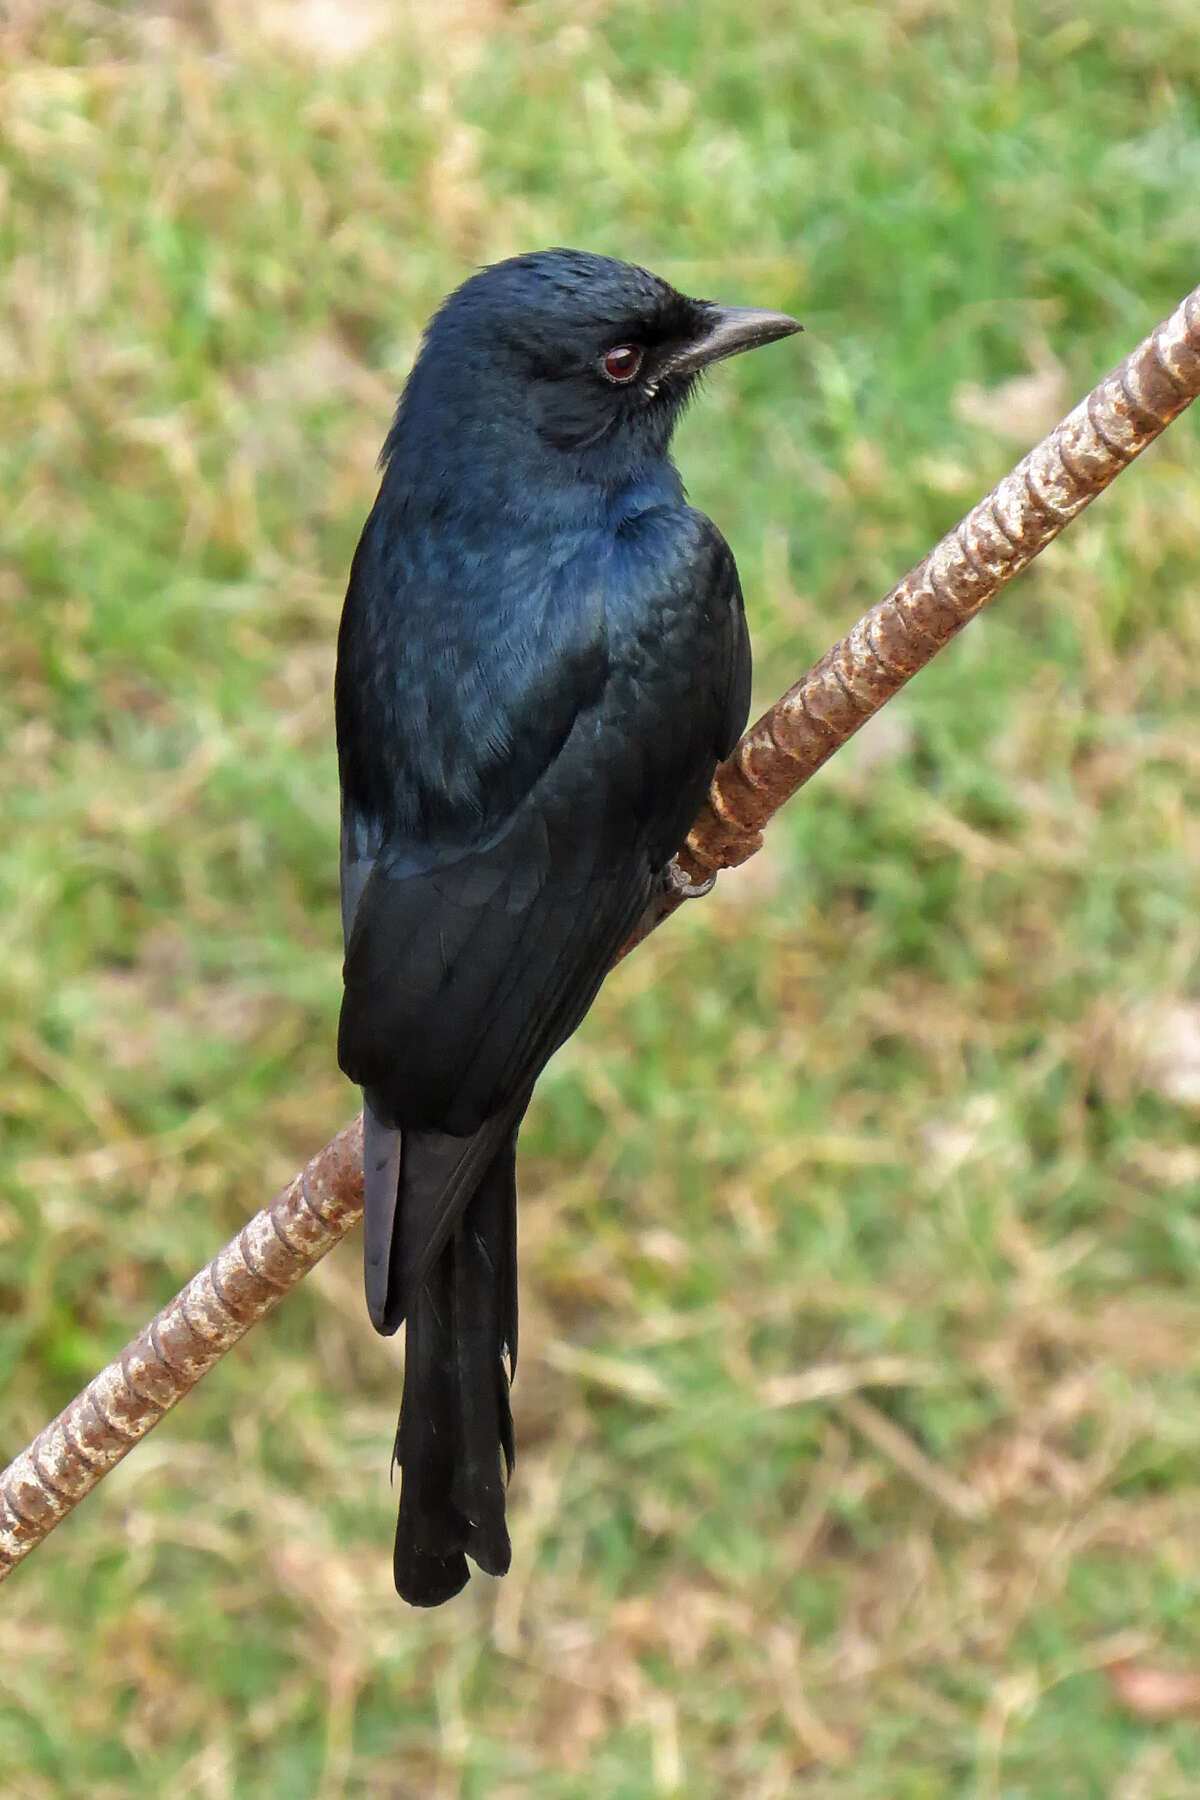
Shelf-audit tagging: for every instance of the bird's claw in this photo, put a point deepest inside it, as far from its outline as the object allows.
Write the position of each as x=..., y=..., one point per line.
x=678, y=884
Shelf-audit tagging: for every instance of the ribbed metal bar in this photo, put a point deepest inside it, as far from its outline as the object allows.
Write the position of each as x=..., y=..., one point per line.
x=996, y=540
x=181, y=1343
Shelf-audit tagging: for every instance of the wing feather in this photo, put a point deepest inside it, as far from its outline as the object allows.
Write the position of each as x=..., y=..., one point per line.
x=473, y=951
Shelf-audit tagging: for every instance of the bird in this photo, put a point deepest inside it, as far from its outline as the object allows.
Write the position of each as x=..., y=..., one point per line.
x=542, y=657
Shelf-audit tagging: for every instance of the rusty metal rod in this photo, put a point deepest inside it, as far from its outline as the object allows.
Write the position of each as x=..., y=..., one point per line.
x=995, y=541
x=246, y=1279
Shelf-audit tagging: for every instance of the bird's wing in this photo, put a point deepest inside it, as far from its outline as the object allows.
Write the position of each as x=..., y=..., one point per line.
x=737, y=659
x=471, y=957
x=462, y=977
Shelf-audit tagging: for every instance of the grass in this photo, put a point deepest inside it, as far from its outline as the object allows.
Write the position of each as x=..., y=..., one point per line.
x=859, y=1390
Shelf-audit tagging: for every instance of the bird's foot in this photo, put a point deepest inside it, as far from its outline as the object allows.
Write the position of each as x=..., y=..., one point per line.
x=677, y=884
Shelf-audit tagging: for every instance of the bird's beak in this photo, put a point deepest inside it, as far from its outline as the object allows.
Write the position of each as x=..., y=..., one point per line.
x=727, y=331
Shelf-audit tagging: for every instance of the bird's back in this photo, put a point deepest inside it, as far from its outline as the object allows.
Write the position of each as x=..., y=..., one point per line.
x=513, y=780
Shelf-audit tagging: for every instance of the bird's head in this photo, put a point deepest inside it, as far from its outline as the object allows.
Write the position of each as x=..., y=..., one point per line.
x=572, y=353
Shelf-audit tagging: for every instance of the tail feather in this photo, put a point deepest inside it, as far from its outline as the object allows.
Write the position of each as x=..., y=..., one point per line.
x=381, y=1179
x=455, y=1419
x=485, y=1417
x=429, y=1563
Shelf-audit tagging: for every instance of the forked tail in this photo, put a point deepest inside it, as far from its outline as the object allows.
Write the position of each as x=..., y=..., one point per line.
x=460, y=1352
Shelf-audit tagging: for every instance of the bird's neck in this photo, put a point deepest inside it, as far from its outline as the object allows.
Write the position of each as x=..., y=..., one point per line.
x=496, y=487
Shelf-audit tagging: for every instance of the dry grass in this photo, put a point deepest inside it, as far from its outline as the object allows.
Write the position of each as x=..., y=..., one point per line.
x=859, y=1386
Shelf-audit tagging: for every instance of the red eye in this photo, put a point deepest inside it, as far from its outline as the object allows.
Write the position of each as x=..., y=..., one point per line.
x=622, y=362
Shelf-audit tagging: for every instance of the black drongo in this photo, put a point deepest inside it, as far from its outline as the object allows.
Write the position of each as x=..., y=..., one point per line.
x=542, y=658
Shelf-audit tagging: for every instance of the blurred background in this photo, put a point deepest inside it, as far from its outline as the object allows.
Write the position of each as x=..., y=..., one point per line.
x=859, y=1403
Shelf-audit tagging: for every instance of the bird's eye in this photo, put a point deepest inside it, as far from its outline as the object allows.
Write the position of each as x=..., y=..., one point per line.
x=622, y=362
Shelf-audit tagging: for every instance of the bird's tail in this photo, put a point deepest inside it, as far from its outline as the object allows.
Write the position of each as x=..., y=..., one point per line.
x=455, y=1419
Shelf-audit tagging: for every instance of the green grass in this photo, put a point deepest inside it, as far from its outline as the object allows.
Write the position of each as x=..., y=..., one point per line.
x=909, y=1106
